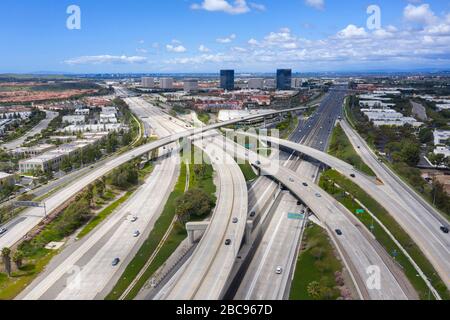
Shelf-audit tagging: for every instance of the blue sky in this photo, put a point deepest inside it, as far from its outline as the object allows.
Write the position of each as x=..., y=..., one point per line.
x=206, y=35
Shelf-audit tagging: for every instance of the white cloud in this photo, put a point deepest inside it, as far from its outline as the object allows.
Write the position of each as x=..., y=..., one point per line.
x=253, y=42
x=352, y=31
x=102, y=59
x=176, y=48
x=202, y=48
x=257, y=6
x=228, y=39
x=317, y=4
x=141, y=50
x=419, y=14
x=238, y=7
x=352, y=47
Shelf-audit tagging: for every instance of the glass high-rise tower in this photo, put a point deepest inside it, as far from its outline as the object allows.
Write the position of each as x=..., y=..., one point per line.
x=227, y=79
x=284, y=79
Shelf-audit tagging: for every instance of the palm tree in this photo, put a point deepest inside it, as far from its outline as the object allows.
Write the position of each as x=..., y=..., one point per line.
x=6, y=256
x=314, y=290
x=18, y=259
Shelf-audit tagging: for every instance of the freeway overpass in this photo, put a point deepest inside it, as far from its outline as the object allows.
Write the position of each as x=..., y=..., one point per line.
x=29, y=219
x=434, y=245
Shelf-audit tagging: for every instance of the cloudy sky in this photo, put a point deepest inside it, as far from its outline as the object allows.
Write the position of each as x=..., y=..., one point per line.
x=206, y=35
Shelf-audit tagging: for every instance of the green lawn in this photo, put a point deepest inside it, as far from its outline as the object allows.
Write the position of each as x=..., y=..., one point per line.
x=317, y=263
x=341, y=148
x=204, y=117
x=248, y=172
x=330, y=177
x=11, y=287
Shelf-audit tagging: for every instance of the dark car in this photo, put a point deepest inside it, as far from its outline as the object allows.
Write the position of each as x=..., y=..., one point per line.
x=235, y=220
x=444, y=229
x=305, y=184
x=227, y=242
x=115, y=262
x=299, y=203
x=353, y=175
x=3, y=231
x=252, y=214
x=338, y=232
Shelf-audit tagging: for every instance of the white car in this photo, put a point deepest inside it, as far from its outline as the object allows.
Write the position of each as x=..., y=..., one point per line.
x=279, y=270
x=136, y=234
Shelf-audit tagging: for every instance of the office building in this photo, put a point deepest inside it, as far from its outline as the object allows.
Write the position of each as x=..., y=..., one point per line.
x=256, y=83
x=190, y=85
x=148, y=82
x=227, y=79
x=6, y=180
x=284, y=79
x=166, y=83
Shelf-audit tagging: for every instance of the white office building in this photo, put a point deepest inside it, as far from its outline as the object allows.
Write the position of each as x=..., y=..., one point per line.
x=256, y=83
x=82, y=112
x=166, y=83
x=74, y=119
x=441, y=137
x=108, y=118
x=190, y=85
x=148, y=82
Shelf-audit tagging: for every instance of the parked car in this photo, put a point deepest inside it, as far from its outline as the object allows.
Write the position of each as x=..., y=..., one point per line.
x=252, y=214
x=318, y=195
x=134, y=219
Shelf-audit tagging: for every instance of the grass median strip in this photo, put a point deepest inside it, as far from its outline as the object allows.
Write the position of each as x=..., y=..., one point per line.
x=318, y=270
x=328, y=181
x=341, y=148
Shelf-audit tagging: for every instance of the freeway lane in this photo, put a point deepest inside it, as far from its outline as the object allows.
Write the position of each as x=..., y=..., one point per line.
x=112, y=239
x=362, y=252
x=314, y=131
x=357, y=242
x=437, y=251
x=419, y=219
x=205, y=274
x=207, y=271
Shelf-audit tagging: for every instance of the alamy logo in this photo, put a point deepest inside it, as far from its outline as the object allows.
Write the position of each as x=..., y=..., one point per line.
x=374, y=20
x=74, y=20
x=374, y=280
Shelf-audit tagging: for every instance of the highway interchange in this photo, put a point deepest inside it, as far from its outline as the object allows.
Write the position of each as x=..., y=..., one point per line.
x=207, y=273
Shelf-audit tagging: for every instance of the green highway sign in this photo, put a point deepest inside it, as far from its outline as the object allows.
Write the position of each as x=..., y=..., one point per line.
x=296, y=216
